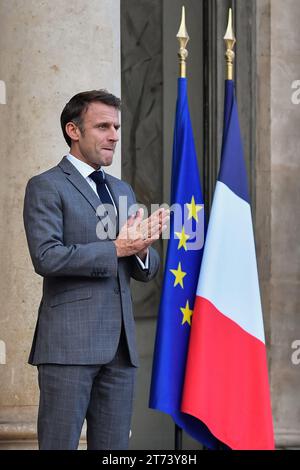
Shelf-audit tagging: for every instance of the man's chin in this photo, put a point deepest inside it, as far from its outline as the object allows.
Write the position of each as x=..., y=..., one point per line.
x=106, y=162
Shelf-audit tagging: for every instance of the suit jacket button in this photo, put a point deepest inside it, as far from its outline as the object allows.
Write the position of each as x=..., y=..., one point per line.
x=116, y=290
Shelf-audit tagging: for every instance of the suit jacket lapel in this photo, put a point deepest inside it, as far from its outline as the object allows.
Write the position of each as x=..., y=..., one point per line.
x=114, y=191
x=73, y=175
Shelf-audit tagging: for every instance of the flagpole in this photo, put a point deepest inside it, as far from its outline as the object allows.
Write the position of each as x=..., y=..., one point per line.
x=183, y=39
x=230, y=41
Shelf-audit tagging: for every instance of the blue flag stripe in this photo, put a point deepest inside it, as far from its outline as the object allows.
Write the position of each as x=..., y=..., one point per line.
x=233, y=169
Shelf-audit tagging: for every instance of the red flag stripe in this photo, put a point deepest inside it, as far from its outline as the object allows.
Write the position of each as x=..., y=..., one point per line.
x=229, y=389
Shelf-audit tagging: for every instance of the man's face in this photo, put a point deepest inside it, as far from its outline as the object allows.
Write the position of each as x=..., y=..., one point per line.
x=97, y=141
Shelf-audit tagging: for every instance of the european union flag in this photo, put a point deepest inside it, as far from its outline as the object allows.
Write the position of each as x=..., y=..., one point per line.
x=182, y=267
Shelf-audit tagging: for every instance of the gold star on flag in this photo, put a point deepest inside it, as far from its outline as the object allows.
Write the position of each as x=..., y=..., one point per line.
x=187, y=314
x=183, y=237
x=179, y=275
x=194, y=209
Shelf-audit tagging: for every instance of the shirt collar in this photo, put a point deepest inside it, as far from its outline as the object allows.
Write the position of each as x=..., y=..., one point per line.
x=84, y=169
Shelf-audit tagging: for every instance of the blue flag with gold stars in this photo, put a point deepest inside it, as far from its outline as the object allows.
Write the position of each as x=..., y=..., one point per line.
x=184, y=255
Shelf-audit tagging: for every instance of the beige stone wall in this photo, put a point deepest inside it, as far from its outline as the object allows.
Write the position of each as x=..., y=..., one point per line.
x=285, y=218
x=277, y=205
x=47, y=54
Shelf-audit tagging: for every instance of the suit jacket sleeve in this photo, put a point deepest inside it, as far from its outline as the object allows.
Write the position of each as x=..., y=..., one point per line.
x=145, y=275
x=137, y=272
x=43, y=220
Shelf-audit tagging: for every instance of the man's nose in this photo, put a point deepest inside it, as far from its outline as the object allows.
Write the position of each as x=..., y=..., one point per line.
x=114, y=136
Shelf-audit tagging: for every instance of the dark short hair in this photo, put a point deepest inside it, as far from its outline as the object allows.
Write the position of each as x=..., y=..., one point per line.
x=78, y=105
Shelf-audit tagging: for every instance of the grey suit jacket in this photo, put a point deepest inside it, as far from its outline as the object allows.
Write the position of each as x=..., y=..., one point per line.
x=86, y=288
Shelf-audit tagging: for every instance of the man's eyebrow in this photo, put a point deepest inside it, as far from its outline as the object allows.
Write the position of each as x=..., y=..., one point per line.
x=107, y=123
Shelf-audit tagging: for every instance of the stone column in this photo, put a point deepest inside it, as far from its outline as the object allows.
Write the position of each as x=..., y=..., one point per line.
x=47, y=54
x=285, y=220
x=277, y=205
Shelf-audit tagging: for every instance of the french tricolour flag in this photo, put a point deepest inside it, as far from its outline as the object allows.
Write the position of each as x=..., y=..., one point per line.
x=226, y=382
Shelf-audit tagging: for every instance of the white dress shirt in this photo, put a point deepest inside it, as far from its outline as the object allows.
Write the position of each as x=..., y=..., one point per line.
x=85, y=170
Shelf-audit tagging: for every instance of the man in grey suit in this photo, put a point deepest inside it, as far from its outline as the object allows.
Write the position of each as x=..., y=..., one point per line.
x=84, y=343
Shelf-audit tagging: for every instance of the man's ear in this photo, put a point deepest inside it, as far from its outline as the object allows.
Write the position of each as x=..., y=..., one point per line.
x=73, y=131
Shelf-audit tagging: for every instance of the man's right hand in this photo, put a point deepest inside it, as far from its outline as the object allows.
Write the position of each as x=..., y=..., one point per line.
x=138, y=234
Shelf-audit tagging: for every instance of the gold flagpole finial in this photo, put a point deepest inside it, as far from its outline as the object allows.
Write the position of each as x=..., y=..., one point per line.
x=230, y=41
x=183, y=39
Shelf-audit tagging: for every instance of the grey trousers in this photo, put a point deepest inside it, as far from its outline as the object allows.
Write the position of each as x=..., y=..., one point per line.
x=103, y=394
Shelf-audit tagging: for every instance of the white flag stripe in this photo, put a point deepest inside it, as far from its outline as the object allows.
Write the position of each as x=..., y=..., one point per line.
x=228, y=277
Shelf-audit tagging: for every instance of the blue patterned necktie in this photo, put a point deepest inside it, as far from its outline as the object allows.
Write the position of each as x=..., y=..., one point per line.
x=99, y=179
x=103, y=193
